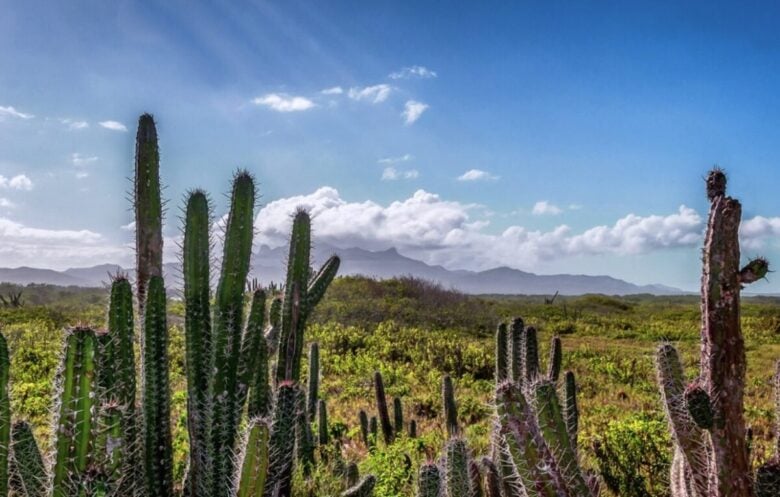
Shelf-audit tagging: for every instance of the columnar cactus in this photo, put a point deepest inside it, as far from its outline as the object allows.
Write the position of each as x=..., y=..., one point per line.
x=457, y=481
x=28, y=472
x=5, y=416
x=429, y=481
x=381, y=406
x=254, y=460
x=314, y=380
x=707, y=419
x=148, y=206
x=450, y=406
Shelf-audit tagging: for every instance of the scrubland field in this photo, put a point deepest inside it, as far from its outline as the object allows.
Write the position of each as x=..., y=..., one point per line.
x=414, y=332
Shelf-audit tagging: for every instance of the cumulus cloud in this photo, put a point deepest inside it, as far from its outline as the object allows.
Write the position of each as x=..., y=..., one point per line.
x=12, y=112
x=412, y=111
x=336, y=90
x=113, y=125
x=391, y=174
x=476, y=175
x=24, y=245
x=439, y=231
x=755, y=232
x=374, y=94
x=281, y=102
x=18, y=182
x=544, y=207
x=413, y=72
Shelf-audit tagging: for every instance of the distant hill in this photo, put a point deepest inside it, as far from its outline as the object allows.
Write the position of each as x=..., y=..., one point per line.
x=268, y=265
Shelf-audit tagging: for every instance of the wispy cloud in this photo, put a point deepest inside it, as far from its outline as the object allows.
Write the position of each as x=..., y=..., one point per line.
x=281, y=102
x=18, y=182
x=392, y=174
x=396, y=160
x=412, y=111
x=82, y=160
x=544, y=207
x=113, y=125
x=374, y=94
x=476, y=175
x=7, y=204
x=438, y=231
x=336, y=90
x=10, y=111
x=413, y=72
x=73, y=124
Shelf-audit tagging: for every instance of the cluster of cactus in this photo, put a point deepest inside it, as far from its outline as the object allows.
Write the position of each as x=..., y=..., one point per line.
x=706, y=417
x=107, y=441
x=534, y=447
x=391, y=428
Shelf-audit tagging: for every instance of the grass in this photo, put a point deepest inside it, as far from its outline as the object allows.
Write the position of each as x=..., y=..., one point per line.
x=414, y=333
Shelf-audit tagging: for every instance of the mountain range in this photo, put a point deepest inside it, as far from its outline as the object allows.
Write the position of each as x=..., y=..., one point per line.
x=268, y=265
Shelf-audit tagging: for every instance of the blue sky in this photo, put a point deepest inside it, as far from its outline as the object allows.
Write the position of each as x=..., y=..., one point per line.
x=548, y=136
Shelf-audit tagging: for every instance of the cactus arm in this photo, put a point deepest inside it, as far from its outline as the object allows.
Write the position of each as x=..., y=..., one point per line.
x=398, y=416
x=313, y=381
x=687, y=436
x=571, y=412
x=293, y=307
x=321, y=281
x=28, y=470
x=254, y=460
x=530, y=354
x=515, y=346
x=121, y=331
x=456, y=468
x=158, y=452
x=252, y=347
x=260, y=395
x=364, y=488
x=501, y=353
x=556, y=435
x=381, y=406
x=556, y=357
x=148, y=206
x=5, y=416
x=227, y=330
x=67, y=388
x=281, y=443
x=450, y=406
x=429, y=481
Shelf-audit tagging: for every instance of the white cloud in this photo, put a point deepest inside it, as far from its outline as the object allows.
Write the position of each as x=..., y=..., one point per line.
x=412, y=111
x=281, y=102
x=476, y=175
x=80, y=160
x=128, y=227
x=11, y=112
x=755, y=232
x=113, y=125
x=395, y=160
x=544, y=207
x=575, y=207
x=74, y=125
x=4, y=202
x=391, y=173
x=374, y=94
x=24, y=245
x=438, y=231
x=18, y=182
x=413, y=72
x=336, y=90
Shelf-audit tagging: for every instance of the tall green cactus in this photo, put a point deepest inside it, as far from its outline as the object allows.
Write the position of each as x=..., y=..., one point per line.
x=76, y=422
x=312, y=395
x=456, y=468
x=158, y=450
x=429, y=481
x=450, y=406
x=707, y=418
x=148, y=206
x=501, y=353
x=381, y=406
x=282, y=441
